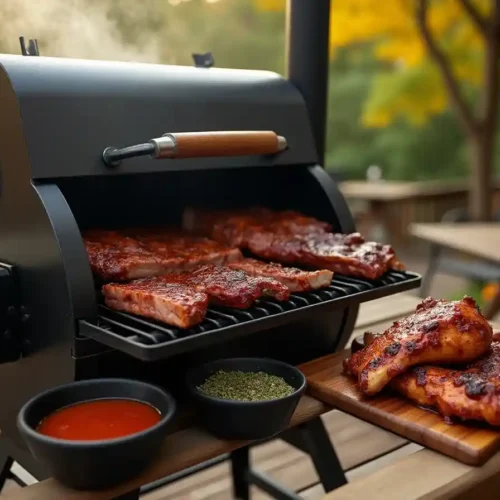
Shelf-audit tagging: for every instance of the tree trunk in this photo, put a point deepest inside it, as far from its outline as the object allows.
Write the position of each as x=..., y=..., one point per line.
x=482, y=149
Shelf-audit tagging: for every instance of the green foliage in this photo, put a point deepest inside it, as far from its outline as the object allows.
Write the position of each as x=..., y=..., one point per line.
x=412, y=94
x=240, y=35
x=436, y=151
x=472, y=289
x=403, y=150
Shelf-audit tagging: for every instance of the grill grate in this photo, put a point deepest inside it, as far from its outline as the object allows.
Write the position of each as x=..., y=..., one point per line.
x=149, y=340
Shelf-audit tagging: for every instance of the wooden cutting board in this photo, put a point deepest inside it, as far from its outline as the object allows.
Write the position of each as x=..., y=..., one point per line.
x=471, y=444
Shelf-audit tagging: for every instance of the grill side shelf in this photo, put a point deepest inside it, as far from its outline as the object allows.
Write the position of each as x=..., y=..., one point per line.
x=149, y=340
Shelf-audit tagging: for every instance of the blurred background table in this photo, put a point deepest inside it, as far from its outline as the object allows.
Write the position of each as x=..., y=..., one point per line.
x=478, y=240
x=384, y=210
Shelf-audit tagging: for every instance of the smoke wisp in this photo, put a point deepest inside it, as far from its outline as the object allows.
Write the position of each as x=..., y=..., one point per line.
x=81, y=29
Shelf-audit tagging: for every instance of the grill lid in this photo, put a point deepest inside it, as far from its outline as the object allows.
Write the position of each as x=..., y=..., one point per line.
x=71, y=110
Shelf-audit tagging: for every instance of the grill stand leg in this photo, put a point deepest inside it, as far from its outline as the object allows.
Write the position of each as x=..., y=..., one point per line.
x=5, y=464
x=240, y=468
x=311, y=438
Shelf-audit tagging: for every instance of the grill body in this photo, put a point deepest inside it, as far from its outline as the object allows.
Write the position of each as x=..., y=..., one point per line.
x=56, y=118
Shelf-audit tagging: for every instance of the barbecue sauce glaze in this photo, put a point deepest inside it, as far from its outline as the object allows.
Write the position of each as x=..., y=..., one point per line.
x=99, y=420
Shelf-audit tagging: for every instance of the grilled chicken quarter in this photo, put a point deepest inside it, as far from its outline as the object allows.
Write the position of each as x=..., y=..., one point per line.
x=439, y=331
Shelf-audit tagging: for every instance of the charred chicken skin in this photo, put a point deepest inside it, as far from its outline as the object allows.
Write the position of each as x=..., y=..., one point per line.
x=439, y=331
x=469, y=393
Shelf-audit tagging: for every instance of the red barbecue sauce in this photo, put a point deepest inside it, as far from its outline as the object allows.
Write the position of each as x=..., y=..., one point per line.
x=99, y=419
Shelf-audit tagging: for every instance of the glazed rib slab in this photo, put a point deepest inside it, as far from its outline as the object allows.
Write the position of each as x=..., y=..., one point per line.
x=172, y=303
x=229, y=287
x=292, y=238
x=137, y=253
x=181, y=299
x=296, y=280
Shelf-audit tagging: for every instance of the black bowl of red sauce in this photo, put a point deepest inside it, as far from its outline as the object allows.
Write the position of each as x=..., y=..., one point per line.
x=97, y=433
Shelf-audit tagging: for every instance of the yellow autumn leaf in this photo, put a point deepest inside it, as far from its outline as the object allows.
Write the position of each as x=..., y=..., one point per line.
x=271, y=5
x=389, y=26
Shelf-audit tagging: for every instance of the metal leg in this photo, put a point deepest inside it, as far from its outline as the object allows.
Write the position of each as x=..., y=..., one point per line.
x=26, y=460
x=240, y=465
x=5, y=464
x=313, y=439
x=435, y=253
x=132, y=495
x=17, y=480
x=160, y=483
x=323, y=455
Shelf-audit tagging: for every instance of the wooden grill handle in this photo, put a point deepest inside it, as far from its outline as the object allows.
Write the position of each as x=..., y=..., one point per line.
x=207, y=144
x=199, y=145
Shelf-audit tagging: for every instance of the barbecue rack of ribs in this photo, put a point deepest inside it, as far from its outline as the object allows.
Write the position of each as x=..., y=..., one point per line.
x=156, y=298
x=344, y=254
x=129, y=254
x=439, y=331
x=229, y=287
x=192, y=250
x=296, y=280
x=231, y=227
x=181, y=299
x=292, y=238
x=469, y=393
x=113, y=257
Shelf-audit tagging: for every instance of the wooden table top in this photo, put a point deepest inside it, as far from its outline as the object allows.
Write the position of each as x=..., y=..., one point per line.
x=180, y=451
x=425, y=475
x=477, y=239
x=387, y=191
x=421, y=474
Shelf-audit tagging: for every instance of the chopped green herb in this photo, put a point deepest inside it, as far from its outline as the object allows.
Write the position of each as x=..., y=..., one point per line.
x=245, y=386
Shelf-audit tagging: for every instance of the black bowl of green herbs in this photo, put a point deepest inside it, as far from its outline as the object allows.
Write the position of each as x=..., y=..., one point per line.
x=246, y=398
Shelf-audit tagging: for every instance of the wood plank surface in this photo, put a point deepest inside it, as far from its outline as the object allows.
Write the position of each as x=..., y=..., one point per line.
x=469, y=444
x=180, y=451
x=317, y=491
x=356, y=442
x=408, y=479
x=426, y=475
x=476, y=239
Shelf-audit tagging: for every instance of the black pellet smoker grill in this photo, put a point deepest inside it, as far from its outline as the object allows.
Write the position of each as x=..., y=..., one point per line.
x=58, y=176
